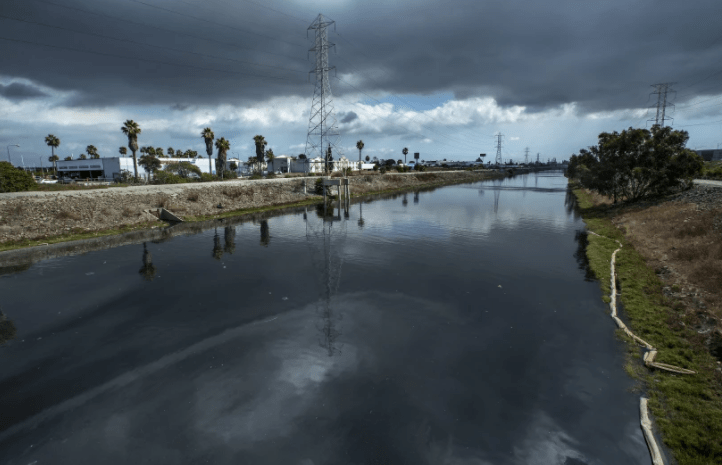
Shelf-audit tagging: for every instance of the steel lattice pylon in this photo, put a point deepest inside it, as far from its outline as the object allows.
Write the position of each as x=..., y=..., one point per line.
x=322, y=125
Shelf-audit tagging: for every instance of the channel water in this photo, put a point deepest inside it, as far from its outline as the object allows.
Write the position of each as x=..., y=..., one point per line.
x=449, y=326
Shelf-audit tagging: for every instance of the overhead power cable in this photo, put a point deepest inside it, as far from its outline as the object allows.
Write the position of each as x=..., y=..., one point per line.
x=157, y=28
x=152, y=45
x=182, y=65
x=211, y=22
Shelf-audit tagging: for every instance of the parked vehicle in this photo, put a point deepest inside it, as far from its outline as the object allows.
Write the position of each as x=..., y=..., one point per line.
x=66, y=181
x=49, y=181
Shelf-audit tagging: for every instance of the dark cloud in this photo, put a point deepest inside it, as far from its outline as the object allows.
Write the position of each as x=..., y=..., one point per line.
x=348, y=117
x=17, y=91
x=603, y=55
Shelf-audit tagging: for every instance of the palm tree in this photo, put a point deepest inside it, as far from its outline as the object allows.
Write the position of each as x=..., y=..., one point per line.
x=170, y=151
x=368, y=158
x=92, y=151
x=159, y=152
x=405, y=151
x=53, y=159
x=131, y=129
x=360, y=147
x=223, y=146
x=261, y=143
x=53, y=142
x=208, y=136
x=123, y=151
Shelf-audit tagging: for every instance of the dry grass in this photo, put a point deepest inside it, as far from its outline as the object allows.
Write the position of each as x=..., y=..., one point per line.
x=128, y=212
x=193, y=196
x=233, y=193
x=680, y=237
x=163, y=201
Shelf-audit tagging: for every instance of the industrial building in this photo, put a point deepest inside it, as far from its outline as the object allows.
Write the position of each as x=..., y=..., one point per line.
x=710, y=155
x=111, y=167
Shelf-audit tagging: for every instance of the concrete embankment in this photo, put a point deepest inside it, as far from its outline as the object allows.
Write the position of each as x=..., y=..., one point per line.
x=37, y=216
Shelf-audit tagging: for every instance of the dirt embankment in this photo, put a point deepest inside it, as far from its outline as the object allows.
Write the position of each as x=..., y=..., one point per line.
x=37, y=216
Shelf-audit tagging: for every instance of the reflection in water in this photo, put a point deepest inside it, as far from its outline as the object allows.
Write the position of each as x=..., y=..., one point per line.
x=571, y=204
x=217, y=249
x=319, y=238
x=405, y=202
x=361, y=221
x=229, y=239
x=497, y=192
x=7, y=329
x=265, y=233
x=148, y=270
x=582, y=239
x=416, y=197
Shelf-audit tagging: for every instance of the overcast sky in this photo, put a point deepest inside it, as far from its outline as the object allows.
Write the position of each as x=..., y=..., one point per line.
x=438, y=77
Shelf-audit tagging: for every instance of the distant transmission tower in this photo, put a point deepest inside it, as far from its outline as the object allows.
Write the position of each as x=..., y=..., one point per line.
x=322, y=125
x=498, y=148
x=526, y=156
x=661, y=90
x=537, y=158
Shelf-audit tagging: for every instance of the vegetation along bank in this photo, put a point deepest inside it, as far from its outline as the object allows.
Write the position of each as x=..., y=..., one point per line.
x=635, y=187
x=33, y=218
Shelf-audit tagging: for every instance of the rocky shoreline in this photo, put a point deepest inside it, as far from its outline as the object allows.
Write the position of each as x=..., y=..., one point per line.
x=37, y=216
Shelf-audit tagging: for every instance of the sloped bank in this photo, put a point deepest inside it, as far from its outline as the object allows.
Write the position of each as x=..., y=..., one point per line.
x=37, y=218
x=687, y=408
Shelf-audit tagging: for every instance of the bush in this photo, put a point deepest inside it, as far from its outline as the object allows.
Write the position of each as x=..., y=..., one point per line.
x=164, y=177
x=182, y=169
x=256, y=176
x=205, y=177
x=383, y=170
x=230, y=175
x=271, y=175
x=14, y=179
x=318, y=187
x=376, y=167
x=418, y=167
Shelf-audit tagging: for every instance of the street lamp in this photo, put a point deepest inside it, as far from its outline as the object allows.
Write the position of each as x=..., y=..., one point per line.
x=11, y=145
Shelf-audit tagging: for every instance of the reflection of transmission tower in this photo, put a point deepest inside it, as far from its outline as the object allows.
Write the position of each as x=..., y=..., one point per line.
x=320, y=238
x=498, y=148
x=526, y=156
x=322, y=121
x=661, y=90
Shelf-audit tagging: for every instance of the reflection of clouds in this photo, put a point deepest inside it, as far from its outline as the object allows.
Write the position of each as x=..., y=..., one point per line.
x=546, y=444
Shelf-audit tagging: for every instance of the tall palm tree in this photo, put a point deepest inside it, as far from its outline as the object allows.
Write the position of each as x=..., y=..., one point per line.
x=261, y=143
x=123, y=151
x=53, y=142
x=360, y=147
x=159, y=152
x=208, y=136
x=131, y=129
x=223, y=146
x=405, y=151
x=171, y=152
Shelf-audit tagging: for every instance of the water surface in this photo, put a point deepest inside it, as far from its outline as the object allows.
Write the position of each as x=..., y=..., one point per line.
x=453, y=326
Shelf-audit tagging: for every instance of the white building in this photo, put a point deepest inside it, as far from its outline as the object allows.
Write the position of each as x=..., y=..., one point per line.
x=111, y=167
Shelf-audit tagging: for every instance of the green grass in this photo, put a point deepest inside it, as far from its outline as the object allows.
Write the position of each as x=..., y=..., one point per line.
x=687, y=408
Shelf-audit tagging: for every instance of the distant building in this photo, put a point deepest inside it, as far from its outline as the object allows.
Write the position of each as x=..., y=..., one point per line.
x=111, y=167
x=710, y=155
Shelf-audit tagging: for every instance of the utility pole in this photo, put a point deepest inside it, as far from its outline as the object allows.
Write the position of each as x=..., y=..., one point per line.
x=661, y=91
x=498, y=148
x=322, y=120
x=526, y=156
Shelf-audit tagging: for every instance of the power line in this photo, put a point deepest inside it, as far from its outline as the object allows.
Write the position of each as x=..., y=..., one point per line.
x=157, y=28
x=209, y=21
x=184, y=65
x=151, y=45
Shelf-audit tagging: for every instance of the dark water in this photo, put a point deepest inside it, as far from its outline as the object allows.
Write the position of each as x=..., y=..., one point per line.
x=445, y=327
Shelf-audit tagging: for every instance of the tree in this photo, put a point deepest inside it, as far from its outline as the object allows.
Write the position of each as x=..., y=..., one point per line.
x=170, y=152
x=150, y=162
x=82, y=157
x=261, y=143
x=68, y=158
x=360, y=147
x=301, y=156
x=92, y=151
x=14, y=179
x=405, y=151
x=223, y=146
x=53, y=142
x=123, y=151
x=131, y=129
x=52, y=159
x=159, y=152
x=398, y=162
x=208, y=137
x=270, y=156
x=368, y=158
x=636, y=163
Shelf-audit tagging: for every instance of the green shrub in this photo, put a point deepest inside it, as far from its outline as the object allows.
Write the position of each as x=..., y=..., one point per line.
x=164, y=177
x=318, y=187
x=383, y=170
x=14, y=179
x=256, y=176
x=230, y=175
x=376, y=167
x=182, y=169
x=205, y=177
x=271, y=175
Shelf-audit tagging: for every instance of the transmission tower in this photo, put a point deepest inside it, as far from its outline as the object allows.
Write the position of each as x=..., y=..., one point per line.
x=537, y=158
x=526, y=156
x=661, y=91
x=498, y=148
x=322, y=125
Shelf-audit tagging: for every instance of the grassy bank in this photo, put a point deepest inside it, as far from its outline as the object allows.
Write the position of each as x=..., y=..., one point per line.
x=687, y=408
